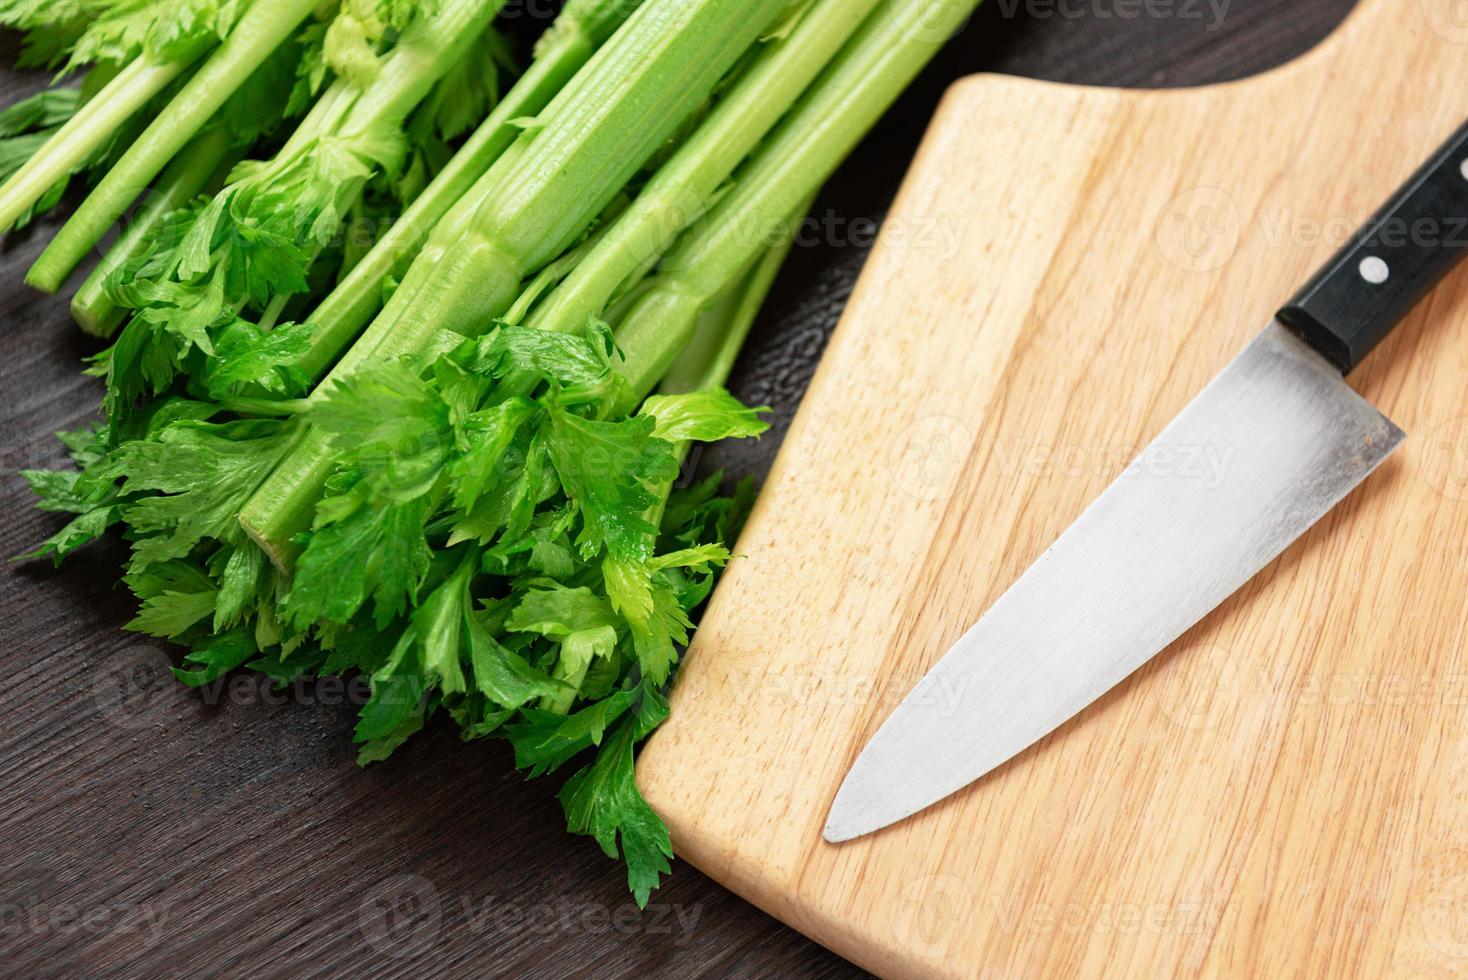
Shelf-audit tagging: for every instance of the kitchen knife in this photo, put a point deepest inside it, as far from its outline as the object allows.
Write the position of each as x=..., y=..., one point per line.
x=1164, y=545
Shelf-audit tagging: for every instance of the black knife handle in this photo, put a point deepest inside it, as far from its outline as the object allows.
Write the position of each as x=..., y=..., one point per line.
x=1392, y=263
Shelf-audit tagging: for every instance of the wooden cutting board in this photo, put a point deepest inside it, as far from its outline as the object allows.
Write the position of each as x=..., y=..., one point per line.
x=1282, y=793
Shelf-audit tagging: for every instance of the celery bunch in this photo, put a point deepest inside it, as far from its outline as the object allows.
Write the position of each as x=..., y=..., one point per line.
x=446, y=458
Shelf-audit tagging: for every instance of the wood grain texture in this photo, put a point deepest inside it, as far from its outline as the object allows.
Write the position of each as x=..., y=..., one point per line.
x=146, y=832
x=1282, y=793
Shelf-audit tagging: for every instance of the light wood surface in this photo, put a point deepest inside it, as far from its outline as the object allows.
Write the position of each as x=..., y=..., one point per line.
x=1282, y=793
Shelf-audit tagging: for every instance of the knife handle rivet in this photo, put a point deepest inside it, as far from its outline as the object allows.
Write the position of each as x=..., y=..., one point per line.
x=1375, y=270
x=1463, y=168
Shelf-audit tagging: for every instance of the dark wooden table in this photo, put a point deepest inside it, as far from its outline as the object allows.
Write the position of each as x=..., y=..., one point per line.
x=144, y=832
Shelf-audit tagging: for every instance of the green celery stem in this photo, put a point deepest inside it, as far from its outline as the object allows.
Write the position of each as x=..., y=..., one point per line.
x=568, y=44
x=283, y=506
x=892, y=47
x=427, y=50
x=532, y=204
x=260, y=30
x=202, y=164
x=94, y=123
x=417, y=62
x=561, y=701
x=429, y=47
x=709, y=360
x=706, y=362
x=350, y=305
x=684, y=187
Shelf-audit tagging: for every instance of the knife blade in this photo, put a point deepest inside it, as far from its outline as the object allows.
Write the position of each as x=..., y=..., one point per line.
x=1163, y=545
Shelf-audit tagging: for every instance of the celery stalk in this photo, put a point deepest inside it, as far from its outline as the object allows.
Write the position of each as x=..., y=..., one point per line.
x=702, y=365
x=94, y=123
x=260, y=30
x=532, y=204
x=428, y=48
x=581, y=28
x=686, y=185
x=203, y=162
x=708, y=360
x=891, y=48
